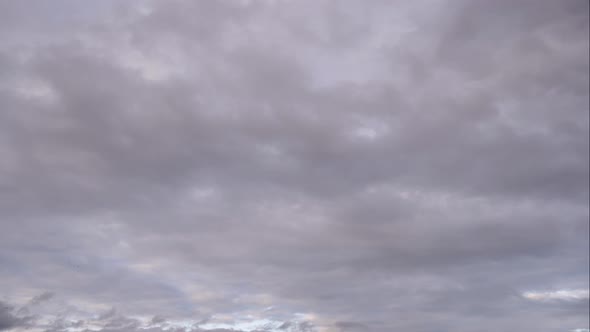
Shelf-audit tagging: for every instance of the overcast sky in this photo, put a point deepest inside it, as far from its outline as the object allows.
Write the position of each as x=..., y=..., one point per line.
x=294, y=165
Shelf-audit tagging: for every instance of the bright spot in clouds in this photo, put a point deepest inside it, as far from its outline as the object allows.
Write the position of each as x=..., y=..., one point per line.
x=564, y=294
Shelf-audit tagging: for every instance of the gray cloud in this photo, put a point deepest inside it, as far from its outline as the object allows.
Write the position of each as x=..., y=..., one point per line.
x=9, y=319
x=46, y=296
x=294, y=165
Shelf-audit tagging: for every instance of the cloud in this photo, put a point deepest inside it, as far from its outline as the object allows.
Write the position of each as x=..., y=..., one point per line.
x=46, y=296
x=565, y=294
x=351, y=326
x=294, y=165
x=10, y=320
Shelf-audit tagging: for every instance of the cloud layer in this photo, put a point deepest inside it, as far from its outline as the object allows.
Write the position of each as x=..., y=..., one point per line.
x=294, y=165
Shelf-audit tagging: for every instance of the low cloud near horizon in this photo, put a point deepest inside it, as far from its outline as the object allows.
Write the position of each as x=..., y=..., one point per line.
x=294, y=166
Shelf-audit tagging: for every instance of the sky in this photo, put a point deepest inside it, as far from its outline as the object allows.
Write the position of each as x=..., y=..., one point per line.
x=294, y=166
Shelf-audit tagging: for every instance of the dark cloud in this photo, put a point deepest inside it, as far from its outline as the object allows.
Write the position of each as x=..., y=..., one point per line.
x=46, y=296
x=294, y=165
x=9, y=319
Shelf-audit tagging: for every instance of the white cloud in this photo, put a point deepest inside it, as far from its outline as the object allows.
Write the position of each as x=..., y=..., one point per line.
x=562, y=294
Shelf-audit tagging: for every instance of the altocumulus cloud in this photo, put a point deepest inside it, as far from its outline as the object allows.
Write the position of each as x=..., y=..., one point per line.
x=294, y=166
